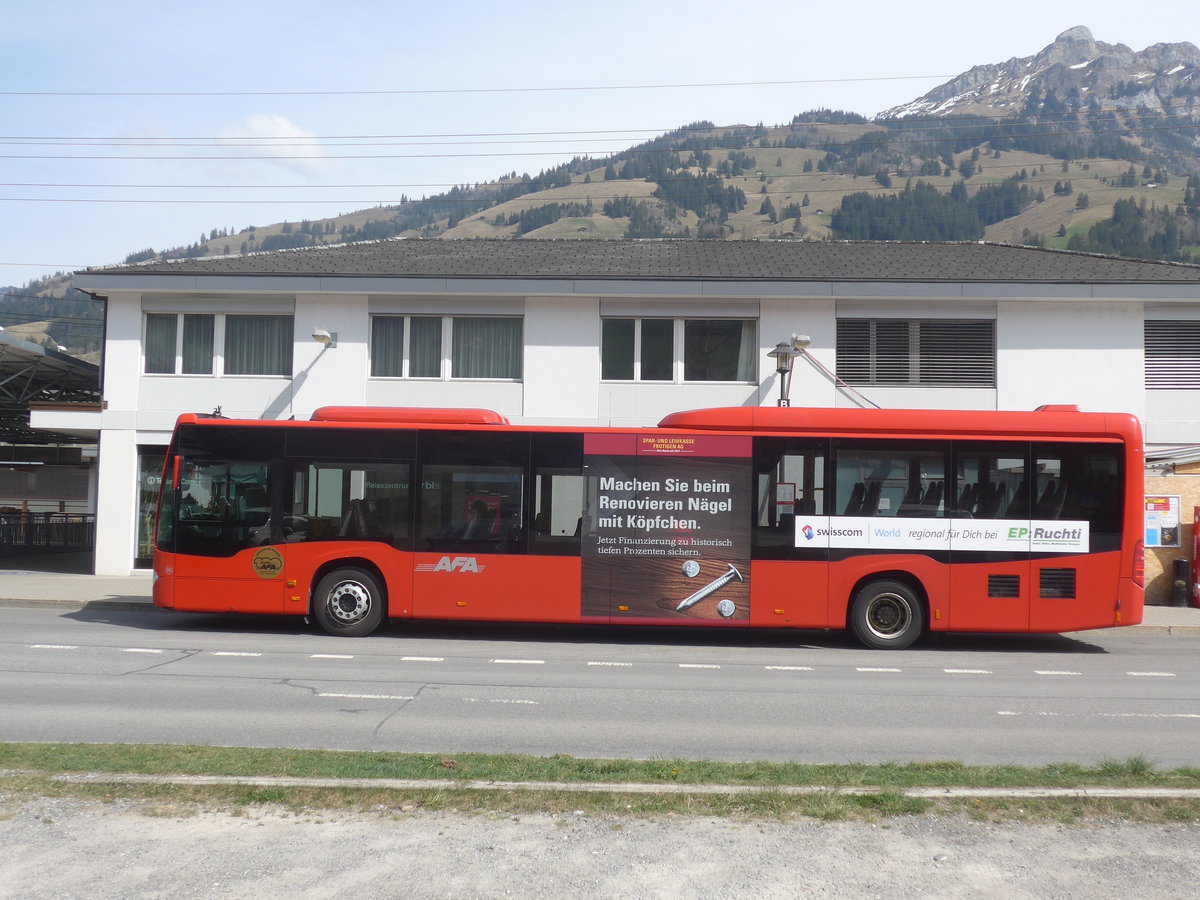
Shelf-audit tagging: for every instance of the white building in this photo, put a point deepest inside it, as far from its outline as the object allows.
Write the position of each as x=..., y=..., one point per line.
x=622, y=332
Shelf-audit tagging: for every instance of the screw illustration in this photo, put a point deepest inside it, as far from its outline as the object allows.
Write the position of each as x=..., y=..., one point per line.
x=712, y=587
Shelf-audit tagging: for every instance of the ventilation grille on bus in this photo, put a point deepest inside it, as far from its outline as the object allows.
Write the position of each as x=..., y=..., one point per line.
x=1057, y=583
x=1004, y=586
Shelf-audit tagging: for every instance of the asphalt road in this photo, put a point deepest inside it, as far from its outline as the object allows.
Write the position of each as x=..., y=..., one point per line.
x=159, y=676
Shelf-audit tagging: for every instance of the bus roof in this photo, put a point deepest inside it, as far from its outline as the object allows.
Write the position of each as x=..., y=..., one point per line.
x=1050, y=421
x=1055, y=422
x=408, y=415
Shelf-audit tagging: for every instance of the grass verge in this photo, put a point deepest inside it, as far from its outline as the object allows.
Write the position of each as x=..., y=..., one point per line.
x=30, y=770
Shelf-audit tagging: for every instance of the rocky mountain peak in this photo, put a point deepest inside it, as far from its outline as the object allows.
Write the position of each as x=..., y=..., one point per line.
x=1076, y=69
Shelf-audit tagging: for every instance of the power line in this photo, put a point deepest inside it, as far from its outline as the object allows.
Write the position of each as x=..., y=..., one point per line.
x=664, y=131
x=500, y=90
x=860, y=142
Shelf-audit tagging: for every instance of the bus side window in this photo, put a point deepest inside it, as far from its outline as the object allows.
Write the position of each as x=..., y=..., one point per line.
x=990, y=483
x=472, y=491
x=890, y=478
x=790, y=475
x=349, y=501
x=1078, y=482
x=557, y=469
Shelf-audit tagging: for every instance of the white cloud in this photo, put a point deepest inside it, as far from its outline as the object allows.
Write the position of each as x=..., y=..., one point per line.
x=277, y=141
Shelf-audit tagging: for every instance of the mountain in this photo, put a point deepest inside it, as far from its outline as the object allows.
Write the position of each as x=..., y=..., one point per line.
x=1076, y=68
x=1078, y=78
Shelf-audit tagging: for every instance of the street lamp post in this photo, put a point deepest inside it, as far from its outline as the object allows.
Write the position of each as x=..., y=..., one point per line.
x=785, y=354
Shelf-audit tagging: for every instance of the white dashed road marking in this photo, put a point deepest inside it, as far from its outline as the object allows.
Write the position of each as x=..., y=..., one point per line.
x=330, y=656
x=141, y=650
x=788, y=668
x=1151, y=674
x=609, y=664
x=1045, y=714
x=520, y=662
x=876, y=669
x=698, y=666
x=1054, y=672
x=422, y=659
x=53, y=647
x=233, y=653
x=501, y=700
x=967, y=671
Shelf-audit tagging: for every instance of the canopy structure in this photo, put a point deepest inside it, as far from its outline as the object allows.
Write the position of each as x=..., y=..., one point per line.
x=32, y=373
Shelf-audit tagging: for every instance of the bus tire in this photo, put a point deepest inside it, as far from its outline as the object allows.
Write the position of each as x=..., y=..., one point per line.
x=348, y=603
x=887, y=615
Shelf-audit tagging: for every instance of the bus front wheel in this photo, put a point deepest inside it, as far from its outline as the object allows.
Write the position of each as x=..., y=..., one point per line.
x=348, y=602
x=887, y=615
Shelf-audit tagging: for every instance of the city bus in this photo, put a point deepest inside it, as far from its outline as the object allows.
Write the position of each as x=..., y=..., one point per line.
x=888, y=523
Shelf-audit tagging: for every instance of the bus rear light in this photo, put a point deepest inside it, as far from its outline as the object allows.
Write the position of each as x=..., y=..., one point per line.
x=1139, y=563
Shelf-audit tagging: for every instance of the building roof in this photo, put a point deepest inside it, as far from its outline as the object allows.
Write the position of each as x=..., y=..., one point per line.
x=669, y=260
x=31, y=372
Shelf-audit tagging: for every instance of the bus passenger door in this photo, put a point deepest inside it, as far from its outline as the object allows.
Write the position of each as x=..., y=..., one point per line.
x=225, y=560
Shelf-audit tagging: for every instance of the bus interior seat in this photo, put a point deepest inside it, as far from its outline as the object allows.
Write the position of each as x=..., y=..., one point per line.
x=854, y=506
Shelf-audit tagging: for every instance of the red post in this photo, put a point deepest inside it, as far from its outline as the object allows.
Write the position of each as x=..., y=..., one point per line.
x=1194, y=599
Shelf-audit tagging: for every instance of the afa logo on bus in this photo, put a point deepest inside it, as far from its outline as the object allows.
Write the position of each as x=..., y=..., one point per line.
x=453, y=564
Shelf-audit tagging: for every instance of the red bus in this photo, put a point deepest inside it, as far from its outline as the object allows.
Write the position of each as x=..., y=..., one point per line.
x=890, y=523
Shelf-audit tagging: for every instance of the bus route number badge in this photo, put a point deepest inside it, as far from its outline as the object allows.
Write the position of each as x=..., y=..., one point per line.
x=267, y=562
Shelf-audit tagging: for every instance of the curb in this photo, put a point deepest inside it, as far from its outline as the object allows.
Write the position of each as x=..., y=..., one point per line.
x=19, y=602
x=1147, y=793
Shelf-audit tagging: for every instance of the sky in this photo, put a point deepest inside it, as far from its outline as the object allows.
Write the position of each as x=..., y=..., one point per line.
x=255, y=113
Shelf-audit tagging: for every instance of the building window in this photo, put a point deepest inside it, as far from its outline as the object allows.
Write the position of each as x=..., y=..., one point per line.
x=679, y=350
x=1172, y=355
x=184, y=344
x=258, y=345
x=478, y=347
x=928, y=352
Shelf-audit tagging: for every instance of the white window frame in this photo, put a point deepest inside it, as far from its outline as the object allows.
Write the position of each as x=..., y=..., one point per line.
x=679, y=325
x=446, y=364
x=218, y=345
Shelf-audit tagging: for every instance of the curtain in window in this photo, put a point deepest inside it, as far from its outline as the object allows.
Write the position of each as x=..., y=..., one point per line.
x=425, y=347
x=486, y=347
x=197, y=345
x=160, y=343
x=747, y=363
x=387, y=346
x=258, y=345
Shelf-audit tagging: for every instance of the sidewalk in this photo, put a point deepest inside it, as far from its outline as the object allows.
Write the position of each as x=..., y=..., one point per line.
x=59, y=580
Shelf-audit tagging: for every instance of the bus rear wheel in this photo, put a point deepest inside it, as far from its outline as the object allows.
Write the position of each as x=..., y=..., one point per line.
x=887, y=615
x=348, y=602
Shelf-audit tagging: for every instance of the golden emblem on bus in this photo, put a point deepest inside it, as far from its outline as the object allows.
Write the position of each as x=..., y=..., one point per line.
x=267, y=562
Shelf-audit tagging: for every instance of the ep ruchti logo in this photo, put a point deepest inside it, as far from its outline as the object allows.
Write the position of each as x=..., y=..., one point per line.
x=1018, y=533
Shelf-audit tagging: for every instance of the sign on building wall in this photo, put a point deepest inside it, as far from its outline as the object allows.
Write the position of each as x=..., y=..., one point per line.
x=1162, y=520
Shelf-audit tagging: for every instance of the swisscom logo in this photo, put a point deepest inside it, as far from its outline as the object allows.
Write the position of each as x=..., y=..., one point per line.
x=808, y=532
